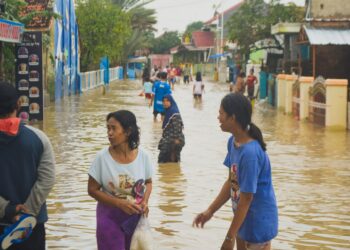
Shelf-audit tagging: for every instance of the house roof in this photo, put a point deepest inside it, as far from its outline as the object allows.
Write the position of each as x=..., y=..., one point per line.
x=327, y=36
x=203, y=39
x=233, y=8
x=184, y=47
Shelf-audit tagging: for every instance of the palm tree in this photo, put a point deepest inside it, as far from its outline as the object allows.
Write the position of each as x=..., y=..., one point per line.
x=127, y=4
x=142, y=21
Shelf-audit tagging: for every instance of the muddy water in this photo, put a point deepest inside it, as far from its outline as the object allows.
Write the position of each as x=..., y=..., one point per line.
x=310, y=172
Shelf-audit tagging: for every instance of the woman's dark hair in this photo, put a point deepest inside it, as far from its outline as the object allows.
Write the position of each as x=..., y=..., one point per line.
x=147, y=79
x=8, y=99
x=128, y=121
x=242, y=74
x=238, y=105
x=198, y=77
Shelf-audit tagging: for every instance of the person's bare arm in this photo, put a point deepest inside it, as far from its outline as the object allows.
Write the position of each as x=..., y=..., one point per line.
x=245, y=199
x=144, y=203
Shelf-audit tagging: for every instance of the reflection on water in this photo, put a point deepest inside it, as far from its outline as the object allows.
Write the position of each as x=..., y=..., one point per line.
x=198, y=104
x=310, y=172
x=171, y=190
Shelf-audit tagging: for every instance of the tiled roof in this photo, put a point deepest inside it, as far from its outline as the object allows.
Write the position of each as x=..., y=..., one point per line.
x=202, y=39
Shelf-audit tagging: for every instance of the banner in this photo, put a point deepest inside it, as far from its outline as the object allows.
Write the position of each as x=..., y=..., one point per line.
x=10, y=31
x=29, y=76
x=66, y=50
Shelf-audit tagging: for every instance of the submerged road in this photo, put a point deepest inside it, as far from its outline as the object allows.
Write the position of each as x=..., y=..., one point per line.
x=310, y=172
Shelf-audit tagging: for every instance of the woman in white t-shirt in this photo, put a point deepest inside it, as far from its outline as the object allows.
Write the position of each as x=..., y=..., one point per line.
x=120, y=179
x=198, y=87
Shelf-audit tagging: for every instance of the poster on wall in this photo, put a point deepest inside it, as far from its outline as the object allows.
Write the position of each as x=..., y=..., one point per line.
x=29, y=77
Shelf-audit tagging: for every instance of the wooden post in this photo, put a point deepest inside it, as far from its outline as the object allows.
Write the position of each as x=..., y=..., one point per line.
x=314, y=61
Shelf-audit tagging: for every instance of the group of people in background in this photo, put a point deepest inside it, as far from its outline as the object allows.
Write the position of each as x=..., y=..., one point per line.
x=174, y=73
x=157, y=89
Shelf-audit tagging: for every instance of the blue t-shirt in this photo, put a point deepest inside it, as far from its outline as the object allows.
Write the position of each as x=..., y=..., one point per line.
x=160, y=89
x=251, y=173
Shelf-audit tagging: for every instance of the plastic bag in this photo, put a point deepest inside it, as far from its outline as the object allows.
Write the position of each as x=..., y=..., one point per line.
x=142, y=237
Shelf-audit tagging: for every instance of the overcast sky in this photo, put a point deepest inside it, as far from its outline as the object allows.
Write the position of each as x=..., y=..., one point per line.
x=177, y=14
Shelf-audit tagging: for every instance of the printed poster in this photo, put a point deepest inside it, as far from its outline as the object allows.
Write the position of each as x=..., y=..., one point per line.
x=29, y=77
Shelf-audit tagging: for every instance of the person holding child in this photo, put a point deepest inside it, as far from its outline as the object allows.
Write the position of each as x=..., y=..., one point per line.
x=120, y=179
x=249, y=182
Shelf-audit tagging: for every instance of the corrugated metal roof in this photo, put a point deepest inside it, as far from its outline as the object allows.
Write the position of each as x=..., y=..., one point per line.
x=327, y=36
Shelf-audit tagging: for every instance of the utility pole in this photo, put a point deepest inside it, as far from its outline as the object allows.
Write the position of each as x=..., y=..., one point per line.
x=222, y=33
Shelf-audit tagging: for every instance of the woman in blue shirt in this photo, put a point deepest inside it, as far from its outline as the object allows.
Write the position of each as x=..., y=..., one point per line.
x=249, y=184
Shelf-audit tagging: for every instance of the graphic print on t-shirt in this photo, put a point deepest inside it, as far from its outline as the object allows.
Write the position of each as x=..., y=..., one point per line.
x=234, y=187
x=124, y=191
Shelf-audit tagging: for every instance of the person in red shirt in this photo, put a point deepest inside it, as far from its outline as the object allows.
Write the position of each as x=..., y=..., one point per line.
x=250, y=83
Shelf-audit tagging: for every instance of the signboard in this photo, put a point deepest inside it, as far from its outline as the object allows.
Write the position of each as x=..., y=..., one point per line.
x=29, y=76
x=39, y=21
x=10, y=31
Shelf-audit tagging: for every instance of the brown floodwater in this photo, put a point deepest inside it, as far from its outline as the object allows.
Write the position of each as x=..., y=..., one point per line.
x=311, y=172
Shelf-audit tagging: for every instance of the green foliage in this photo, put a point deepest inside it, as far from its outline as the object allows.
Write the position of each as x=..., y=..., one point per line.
x=193, y=27
x=130, y=4
x=165, y=42
x=8, y=66
x=12, y=10
x=285, y=13
x=254, y=19
x=104, y=30
x=142, y=21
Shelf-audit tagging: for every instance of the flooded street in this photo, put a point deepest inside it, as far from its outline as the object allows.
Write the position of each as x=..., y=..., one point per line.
x=311, y=172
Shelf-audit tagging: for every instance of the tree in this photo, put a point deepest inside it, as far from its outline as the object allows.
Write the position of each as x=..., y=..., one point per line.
x=254, y=19
x=104, y=30
x=12, y=9
x=126, y=4
x=142, y=21
x=165, y=42
x=14, y=12
x=193, y=27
